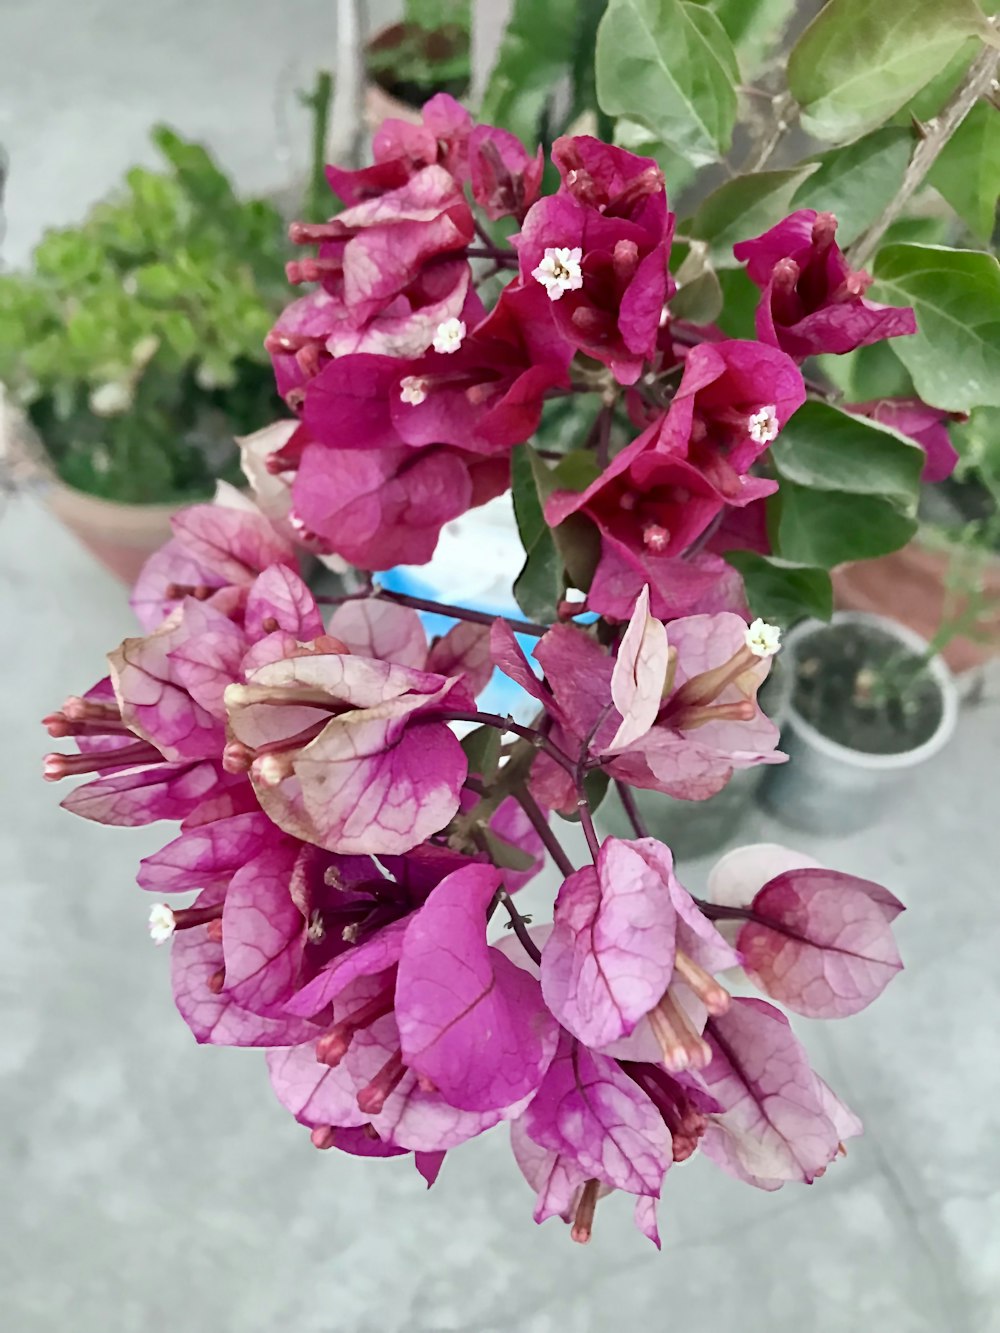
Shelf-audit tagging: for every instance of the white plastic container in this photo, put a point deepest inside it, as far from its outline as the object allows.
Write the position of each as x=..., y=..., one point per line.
x=827, y=787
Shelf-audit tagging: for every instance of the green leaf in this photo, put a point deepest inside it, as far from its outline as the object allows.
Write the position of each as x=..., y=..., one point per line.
x=534, y=55
x=829, y=450
x=967, y=172
x=753, y=26
x=954, y=357
x=857, y=182
x=698, y=298
x=539, y=587
x=504, y=854
x=482, y=750
x=827, y=528
x=743, y=208
x=859, y=61
x=670, y=66
x=869, y=372
x=740, y=299
x=781, y=591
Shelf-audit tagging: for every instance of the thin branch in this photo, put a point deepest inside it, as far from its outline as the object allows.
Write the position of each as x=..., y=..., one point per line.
x=977, y=83
x=437, y=608
x=544, y=830
x=504, y=258
x=785, y=114
x=531, y=734
x=520, y=929
x=627, y=798
x=587, y=823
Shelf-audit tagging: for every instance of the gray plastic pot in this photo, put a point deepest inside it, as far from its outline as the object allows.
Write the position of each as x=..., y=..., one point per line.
x=830, y=788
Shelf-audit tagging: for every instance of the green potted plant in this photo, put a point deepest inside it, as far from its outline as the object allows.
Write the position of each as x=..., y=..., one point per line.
x=133, y=350
x=428, y=51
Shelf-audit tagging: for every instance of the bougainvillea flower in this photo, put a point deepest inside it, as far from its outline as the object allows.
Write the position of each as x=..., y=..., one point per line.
x=781, y=1122
x=465, y=1044
x=506, y=178
x=382, y=507
x=346, y=753
x=708, y=723
x=924, y=425
x=484, y=393
x=216, y=552
x=678, y=586
x=817, y=940
x=600, y=1129
x=599, y=248
x=812, y=300
x=624, y=931
x=373, y=251
x=400, y=149
x=663, y=490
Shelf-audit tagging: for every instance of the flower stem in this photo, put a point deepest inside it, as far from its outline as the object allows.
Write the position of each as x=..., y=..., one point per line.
x=587, y=823
x=531, y=734
x=506, y=258
x=438, y=608
x=977, y=83
x=627, y=798
x=540, y=824
x=520, y=929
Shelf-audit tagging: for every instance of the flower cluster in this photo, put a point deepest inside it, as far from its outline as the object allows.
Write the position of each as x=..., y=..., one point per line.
x=354, y=861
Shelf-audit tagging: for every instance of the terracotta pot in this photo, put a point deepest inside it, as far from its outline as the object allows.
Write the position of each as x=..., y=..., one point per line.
x=120, y=536
x=909, y=586
x=380, y=104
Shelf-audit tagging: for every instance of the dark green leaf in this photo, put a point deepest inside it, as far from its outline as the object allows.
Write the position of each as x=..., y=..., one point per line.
x=743, y=208
x=539, y=587
x=859, y=61
x=954, y=357
x=781, y=591
x=698, y=298
x=827, y=528
x=740, y=299
x=967, y=172
x=857, y=182
x=826, y=449
x=482, y=750
x=869, y=372
x=669, y=65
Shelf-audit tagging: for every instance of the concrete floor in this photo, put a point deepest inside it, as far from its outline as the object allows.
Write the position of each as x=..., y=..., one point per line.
x=150, y=1184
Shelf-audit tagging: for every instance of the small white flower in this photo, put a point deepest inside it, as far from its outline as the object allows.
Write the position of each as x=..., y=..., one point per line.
x=413, y=390
x=448, y=336
x=763, y=425
x=560, y=271
x=161, y=923
x=763, y=639
x=111, y=400
x=655, y=538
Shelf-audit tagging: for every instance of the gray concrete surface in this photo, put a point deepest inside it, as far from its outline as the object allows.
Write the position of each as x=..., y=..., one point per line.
x=149, y=1184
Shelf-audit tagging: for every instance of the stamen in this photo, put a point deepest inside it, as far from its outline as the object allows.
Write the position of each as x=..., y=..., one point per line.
x=316, y=931
x=199, y=591
x=714, y=997
x=373, y=1096
x=583, y=1218
x=824, y=231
